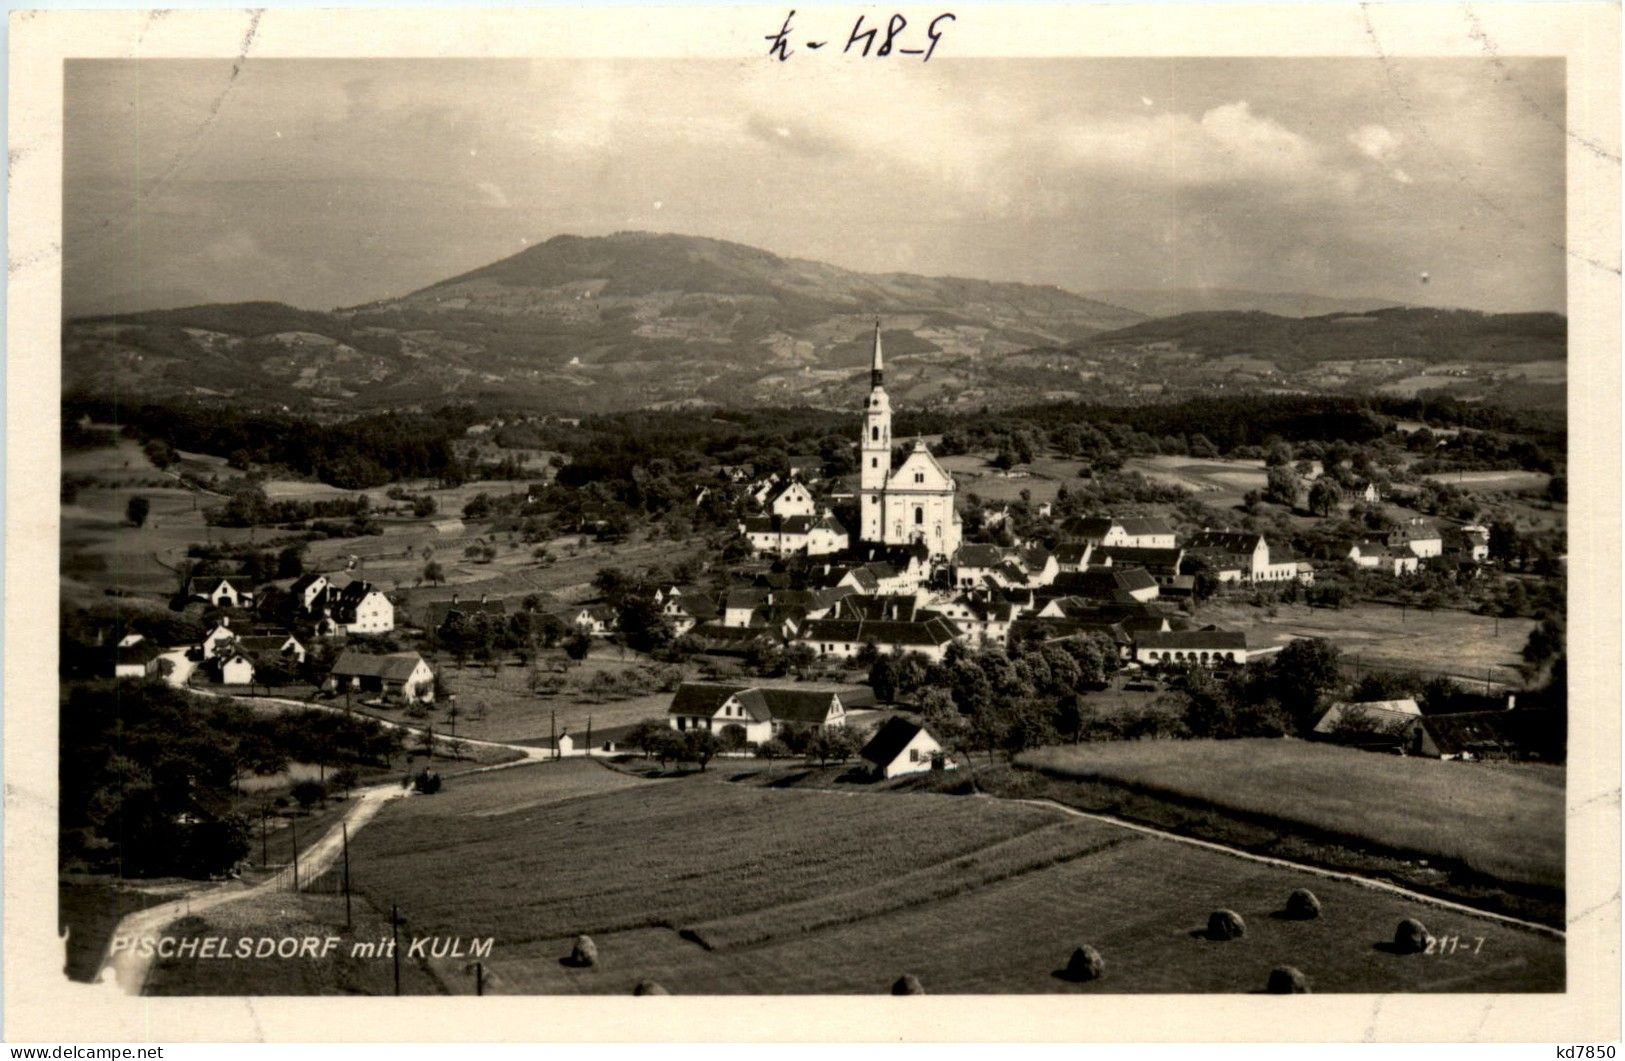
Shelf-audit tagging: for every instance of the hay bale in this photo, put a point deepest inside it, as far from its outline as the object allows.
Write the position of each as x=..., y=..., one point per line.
x=649, y=987
x=1286, y=980
x=1302, y=905
x=1086, y=964
x=1411, y=937
x=584, y=955
x=1225, y=924
x=907, y=984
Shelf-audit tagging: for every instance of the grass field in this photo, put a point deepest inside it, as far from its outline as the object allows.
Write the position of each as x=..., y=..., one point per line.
x=1511, y=481
x=1455, y=643
x=1214, y=482
x=710, y=886
x=1502, y=820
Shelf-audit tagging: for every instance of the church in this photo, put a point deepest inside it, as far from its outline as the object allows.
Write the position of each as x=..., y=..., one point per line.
x=913, y=503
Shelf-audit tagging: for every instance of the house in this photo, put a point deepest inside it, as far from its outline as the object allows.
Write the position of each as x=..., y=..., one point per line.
x=984, y=619
x=975, y=562
x=1161, y=564
x=362, y=609
x=1120, y=585
x=791, y=498
x=1365, y=490
x=402, y=675
x=893, y=625
x=138, y=661
x=1370, y=723
x=739, y=606
x=310, y=591
x=435, y=614
x=596, y=620
x=221, y=592
x=1208, y=648
x=1419, y=535
x=810, y=534
x=1131, y=532
x=232, y=667
x=1377, y=557
x=282, y=644
x=685, y=611
x=903, y=747
x=1073, y=555
x=807, y=467
x=761, y=711
x=218, y=638
x=1470, y=542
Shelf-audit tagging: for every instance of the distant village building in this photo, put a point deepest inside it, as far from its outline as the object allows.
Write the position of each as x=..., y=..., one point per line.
x=399, y=675
x=806, y=535
x=893, y=624
x=1242, y=556
x=1206, y=648
x=761, y=711
x=221, y=592
x=138, y=660
x=361, y=608
x=916, y=501
x=1376, y=556
x=902, y=747
x=791, y=498
x=1420, y=536
x=1129, y=532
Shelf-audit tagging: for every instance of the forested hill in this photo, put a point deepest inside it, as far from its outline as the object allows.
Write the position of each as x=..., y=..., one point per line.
x=1431, y=336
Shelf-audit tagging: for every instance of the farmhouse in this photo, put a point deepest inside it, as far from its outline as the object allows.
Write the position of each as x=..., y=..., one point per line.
x=402, y=675
x=435, y=614
x=761, y=711
x=1470, y=542
x=1073, y=555
x=893, y=625
x=221, y=592
x=232, y=667
x=310, y=589
x=903, y=747
x=1378, y=557
x=1208, y=648
x=809, y=534
x=138, y=660
x=284, y=645
x=1370, y=723
x=686, y=610
x=1420, y=536
x=1110, y=584
x=597, y=620
x=1129, y=532
x=791, y=498
x=362, y=609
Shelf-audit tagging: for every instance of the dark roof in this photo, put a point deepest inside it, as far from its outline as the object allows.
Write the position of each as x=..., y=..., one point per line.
x=897, y=607
x=798, y=705
x=697, y=605
x=305, y=581
x=264, y=642
x=1144, y=526
x=204, y=584
x=1131, y=556
x=397, y=666
x=142, y=652
x=1194, y=639
x=977, y=554
x=1072, y=552
x=763, y=704
x=435, y=613
x=1225, y=541
x=933, y=631
x=1089, y=528
x=1105, y=583
x=890, y=740
x=1483, y=732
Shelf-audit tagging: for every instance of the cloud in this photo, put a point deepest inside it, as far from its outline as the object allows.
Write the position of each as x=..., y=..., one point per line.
x=1228, y=143
x=491, y=194
x=1380, y=144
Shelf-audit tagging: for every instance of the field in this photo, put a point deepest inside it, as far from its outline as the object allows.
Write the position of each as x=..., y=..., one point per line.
x=1459, y=644
x=709, y=886
x=1215, y=482
x=1482, y=482
x=1042, y=479
x=1502, y=820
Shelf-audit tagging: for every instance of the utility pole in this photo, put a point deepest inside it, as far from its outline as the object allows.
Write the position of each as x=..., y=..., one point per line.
x=553, y=731
x=293, y=828
x=265, y=850
x=346, y=834
x=589, y=734
x=479, y=978
x=395, y=943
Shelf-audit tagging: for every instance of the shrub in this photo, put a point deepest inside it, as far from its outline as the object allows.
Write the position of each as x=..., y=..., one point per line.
x=1225, y=924
x=584, y=955
x=1285, y=980
x=427, y=782
x=907, y=984
x=1302, y=905
x=309, y=793
x=1411, y=937
x=649, y=987
x=1085, y=964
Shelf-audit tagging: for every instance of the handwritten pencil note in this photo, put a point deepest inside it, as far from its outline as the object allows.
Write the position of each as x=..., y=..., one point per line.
x=867, y=40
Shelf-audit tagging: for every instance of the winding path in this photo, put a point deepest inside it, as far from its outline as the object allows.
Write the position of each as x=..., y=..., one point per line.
x=129, y=966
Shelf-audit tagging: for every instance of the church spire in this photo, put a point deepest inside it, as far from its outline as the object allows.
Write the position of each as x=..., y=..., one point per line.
x=876, y=367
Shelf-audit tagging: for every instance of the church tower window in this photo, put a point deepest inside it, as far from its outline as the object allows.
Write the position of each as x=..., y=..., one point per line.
x=919, y=515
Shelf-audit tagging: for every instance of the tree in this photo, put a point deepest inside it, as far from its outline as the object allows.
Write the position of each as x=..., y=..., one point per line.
x=734, y=737
x=772, y=749
x=433, y=572
x=1277, y=453
x=1324, y=496
x=577, y=645
x=667, y=746
x=883, y=679
x=1281, y=486
x=308, y=793
x=423, y=506
x=290, y=562
x=1303, y=672
x=644, y=736
x=135, y=512
x=701, y=746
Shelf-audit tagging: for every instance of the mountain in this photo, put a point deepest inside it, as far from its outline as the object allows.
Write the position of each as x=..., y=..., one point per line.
x=577, y=324
x=1172, y=301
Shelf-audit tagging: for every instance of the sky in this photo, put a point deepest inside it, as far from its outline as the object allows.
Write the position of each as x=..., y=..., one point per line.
x=327, y=183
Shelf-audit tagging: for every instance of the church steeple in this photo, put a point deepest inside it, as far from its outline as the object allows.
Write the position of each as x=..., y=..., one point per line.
x=877, y=369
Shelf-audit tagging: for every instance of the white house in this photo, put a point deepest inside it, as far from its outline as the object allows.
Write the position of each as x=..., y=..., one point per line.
x=597, y=620
x=1207, y=648
x=400, y=674
x=1421, y=536
x=761, y=711
x=221, y=592
x=217, y=639
x=362, y=609
x=234, y=667
x=903, y=747
x=808, y=535
x=791, y=498
x=139, y=660
x=309, y=589
x=1374, y=556
x=1130, y=532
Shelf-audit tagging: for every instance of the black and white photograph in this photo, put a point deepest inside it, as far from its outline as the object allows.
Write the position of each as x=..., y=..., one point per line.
x=851, y=517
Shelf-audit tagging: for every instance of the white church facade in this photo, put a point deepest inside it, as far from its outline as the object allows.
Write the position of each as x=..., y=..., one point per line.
x=913, y=503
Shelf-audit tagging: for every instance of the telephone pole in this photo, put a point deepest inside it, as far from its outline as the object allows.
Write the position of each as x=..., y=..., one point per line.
x=293, y=829
x=395, y=942
x=553, y=731
x=346, y=834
